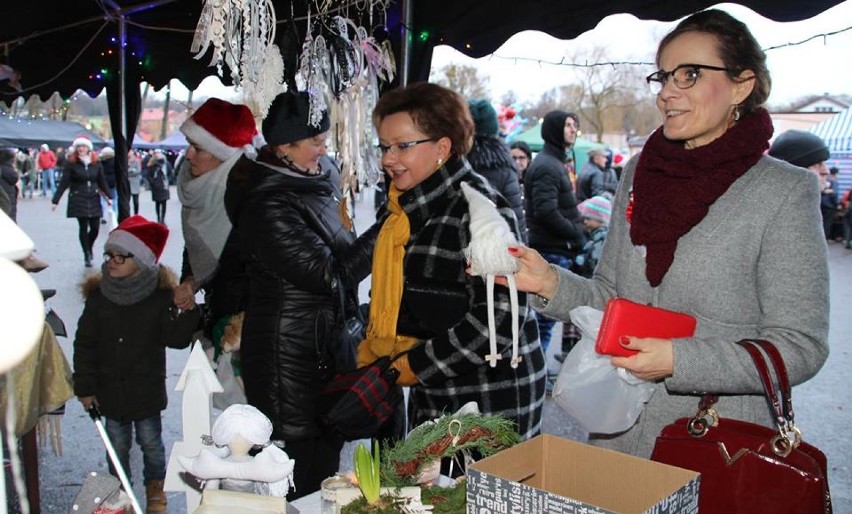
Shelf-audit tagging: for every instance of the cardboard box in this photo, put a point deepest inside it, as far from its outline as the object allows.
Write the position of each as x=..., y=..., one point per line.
x=548, y=474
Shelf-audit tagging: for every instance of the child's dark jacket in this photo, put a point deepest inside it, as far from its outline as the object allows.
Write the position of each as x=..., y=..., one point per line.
x=120, y=350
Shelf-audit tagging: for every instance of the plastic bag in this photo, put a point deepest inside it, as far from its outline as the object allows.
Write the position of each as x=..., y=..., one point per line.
x=603, y=399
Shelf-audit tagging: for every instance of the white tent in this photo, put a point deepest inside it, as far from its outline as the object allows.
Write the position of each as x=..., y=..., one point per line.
x=837, y=134
x=836, y=131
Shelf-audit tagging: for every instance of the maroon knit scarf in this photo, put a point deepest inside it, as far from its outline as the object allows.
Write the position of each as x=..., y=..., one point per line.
x=673, y=187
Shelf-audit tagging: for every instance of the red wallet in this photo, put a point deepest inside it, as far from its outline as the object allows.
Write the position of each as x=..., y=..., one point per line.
x=625, y=318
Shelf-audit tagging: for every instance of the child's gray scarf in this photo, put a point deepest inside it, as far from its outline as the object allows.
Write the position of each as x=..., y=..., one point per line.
x=132, y=289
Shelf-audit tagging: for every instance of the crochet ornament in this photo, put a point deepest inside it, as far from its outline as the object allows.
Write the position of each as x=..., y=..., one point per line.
x=490, y=236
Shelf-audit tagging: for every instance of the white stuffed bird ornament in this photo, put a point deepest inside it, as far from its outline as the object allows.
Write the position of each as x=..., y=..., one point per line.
x=490, y=236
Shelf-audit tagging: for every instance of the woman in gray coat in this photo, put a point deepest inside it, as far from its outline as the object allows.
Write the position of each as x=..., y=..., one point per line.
x=704, y=223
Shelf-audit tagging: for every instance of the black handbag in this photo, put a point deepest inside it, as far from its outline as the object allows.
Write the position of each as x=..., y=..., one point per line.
x=747, y=467
x=345, y=340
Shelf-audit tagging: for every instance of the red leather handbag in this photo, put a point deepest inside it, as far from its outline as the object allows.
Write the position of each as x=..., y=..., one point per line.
x=747, y=467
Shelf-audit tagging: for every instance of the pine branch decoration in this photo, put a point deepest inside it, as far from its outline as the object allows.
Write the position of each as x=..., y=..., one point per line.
x=449, y=434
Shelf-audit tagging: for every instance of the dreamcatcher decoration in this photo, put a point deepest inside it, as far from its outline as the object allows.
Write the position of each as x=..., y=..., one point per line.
x=359, y=63
x=241, y=33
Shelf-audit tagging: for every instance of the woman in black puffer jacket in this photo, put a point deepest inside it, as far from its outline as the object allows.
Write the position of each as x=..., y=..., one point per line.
x=489, y=156
x=285, y=209
x=84, y=177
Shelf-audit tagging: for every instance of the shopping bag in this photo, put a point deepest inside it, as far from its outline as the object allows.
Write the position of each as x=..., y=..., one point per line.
x=603, y=399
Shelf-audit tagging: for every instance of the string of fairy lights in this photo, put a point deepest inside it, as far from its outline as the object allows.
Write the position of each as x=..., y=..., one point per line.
x=141, y=59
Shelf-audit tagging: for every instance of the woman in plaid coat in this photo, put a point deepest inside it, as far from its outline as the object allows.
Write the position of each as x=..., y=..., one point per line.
x=423, y=302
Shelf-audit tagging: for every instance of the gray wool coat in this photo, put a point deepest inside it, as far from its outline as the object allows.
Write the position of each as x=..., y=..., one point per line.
x=754, y=267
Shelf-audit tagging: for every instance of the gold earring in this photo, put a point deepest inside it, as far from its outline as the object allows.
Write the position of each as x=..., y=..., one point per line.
x=737, y=113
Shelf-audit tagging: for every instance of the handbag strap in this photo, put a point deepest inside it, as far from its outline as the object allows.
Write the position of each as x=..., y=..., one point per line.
x=789, y=437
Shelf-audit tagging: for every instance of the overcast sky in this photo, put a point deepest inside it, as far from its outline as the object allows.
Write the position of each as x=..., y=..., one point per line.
x=819, y=66
x=823, y=65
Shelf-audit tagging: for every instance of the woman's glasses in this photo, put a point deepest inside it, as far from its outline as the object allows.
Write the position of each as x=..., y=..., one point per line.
x=684, y=76
x=398, y=148
x=117, y=257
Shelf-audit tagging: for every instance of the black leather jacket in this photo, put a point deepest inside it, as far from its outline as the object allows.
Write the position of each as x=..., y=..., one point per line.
x=295, y=247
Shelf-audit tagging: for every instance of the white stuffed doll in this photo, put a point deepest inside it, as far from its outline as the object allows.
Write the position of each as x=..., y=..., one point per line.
x=229, y=466
x=490, y=236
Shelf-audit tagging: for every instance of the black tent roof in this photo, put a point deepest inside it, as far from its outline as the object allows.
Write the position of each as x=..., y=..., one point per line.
x=63, y=46
x=33, y=133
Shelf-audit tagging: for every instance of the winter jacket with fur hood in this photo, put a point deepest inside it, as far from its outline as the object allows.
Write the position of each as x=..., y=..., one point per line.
x=120, y=350
x=296, y=250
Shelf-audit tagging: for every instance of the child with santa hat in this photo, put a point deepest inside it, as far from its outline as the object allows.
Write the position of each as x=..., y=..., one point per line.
x=128, y=320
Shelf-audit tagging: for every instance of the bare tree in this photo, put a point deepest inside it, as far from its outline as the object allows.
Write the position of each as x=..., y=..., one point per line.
x=463, y=79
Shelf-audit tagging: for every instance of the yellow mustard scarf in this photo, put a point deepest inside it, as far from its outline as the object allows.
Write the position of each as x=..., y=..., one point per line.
x=387, y=270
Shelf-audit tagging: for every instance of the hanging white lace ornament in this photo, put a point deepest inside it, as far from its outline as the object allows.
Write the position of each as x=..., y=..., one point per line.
x=261, y=64
x=490, y=237
x=314, y=60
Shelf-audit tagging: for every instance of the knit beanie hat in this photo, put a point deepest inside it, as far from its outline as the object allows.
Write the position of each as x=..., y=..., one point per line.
x=799, y=148
x=596, y=208
x=288, y=119
x=82, y=141
x=107, y=153
x=144, y=239
x=221, y=128
x=484, y=118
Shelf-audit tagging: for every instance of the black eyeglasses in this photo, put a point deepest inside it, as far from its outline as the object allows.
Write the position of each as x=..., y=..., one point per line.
x=117, y=257
x=398, y=148
x=684, y=76
x=520, y=158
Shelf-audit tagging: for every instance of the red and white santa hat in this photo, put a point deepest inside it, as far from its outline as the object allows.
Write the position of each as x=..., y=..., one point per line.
x=221, y=128
x=82, y=141
x=144, y=239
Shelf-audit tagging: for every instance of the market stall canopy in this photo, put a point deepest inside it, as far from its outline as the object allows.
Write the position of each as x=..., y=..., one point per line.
x=532, y=137
x=65, y=46
x=34, y=133
x=836, y=131
x=175, y=141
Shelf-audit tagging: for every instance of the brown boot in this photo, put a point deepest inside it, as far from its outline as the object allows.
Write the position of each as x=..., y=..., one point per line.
x=155, y=498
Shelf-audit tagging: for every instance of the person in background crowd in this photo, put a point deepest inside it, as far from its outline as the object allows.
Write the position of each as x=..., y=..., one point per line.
x=835, y=232
x=9, y=179
x=521, y=156
x=107, y=159
x=808, y=150
x=219, y=133
x=26, y=170
x=156, y=174
x=490, y=157
x=704, y=223
x=551, y=208
x=846, y=205
x=62, y=159
x=120, y=347
x=299, y=249
x=46, y=170
x=422, y=301
x=134, y=177
x=84, y=176
x=595, y=214
x=595, y=177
